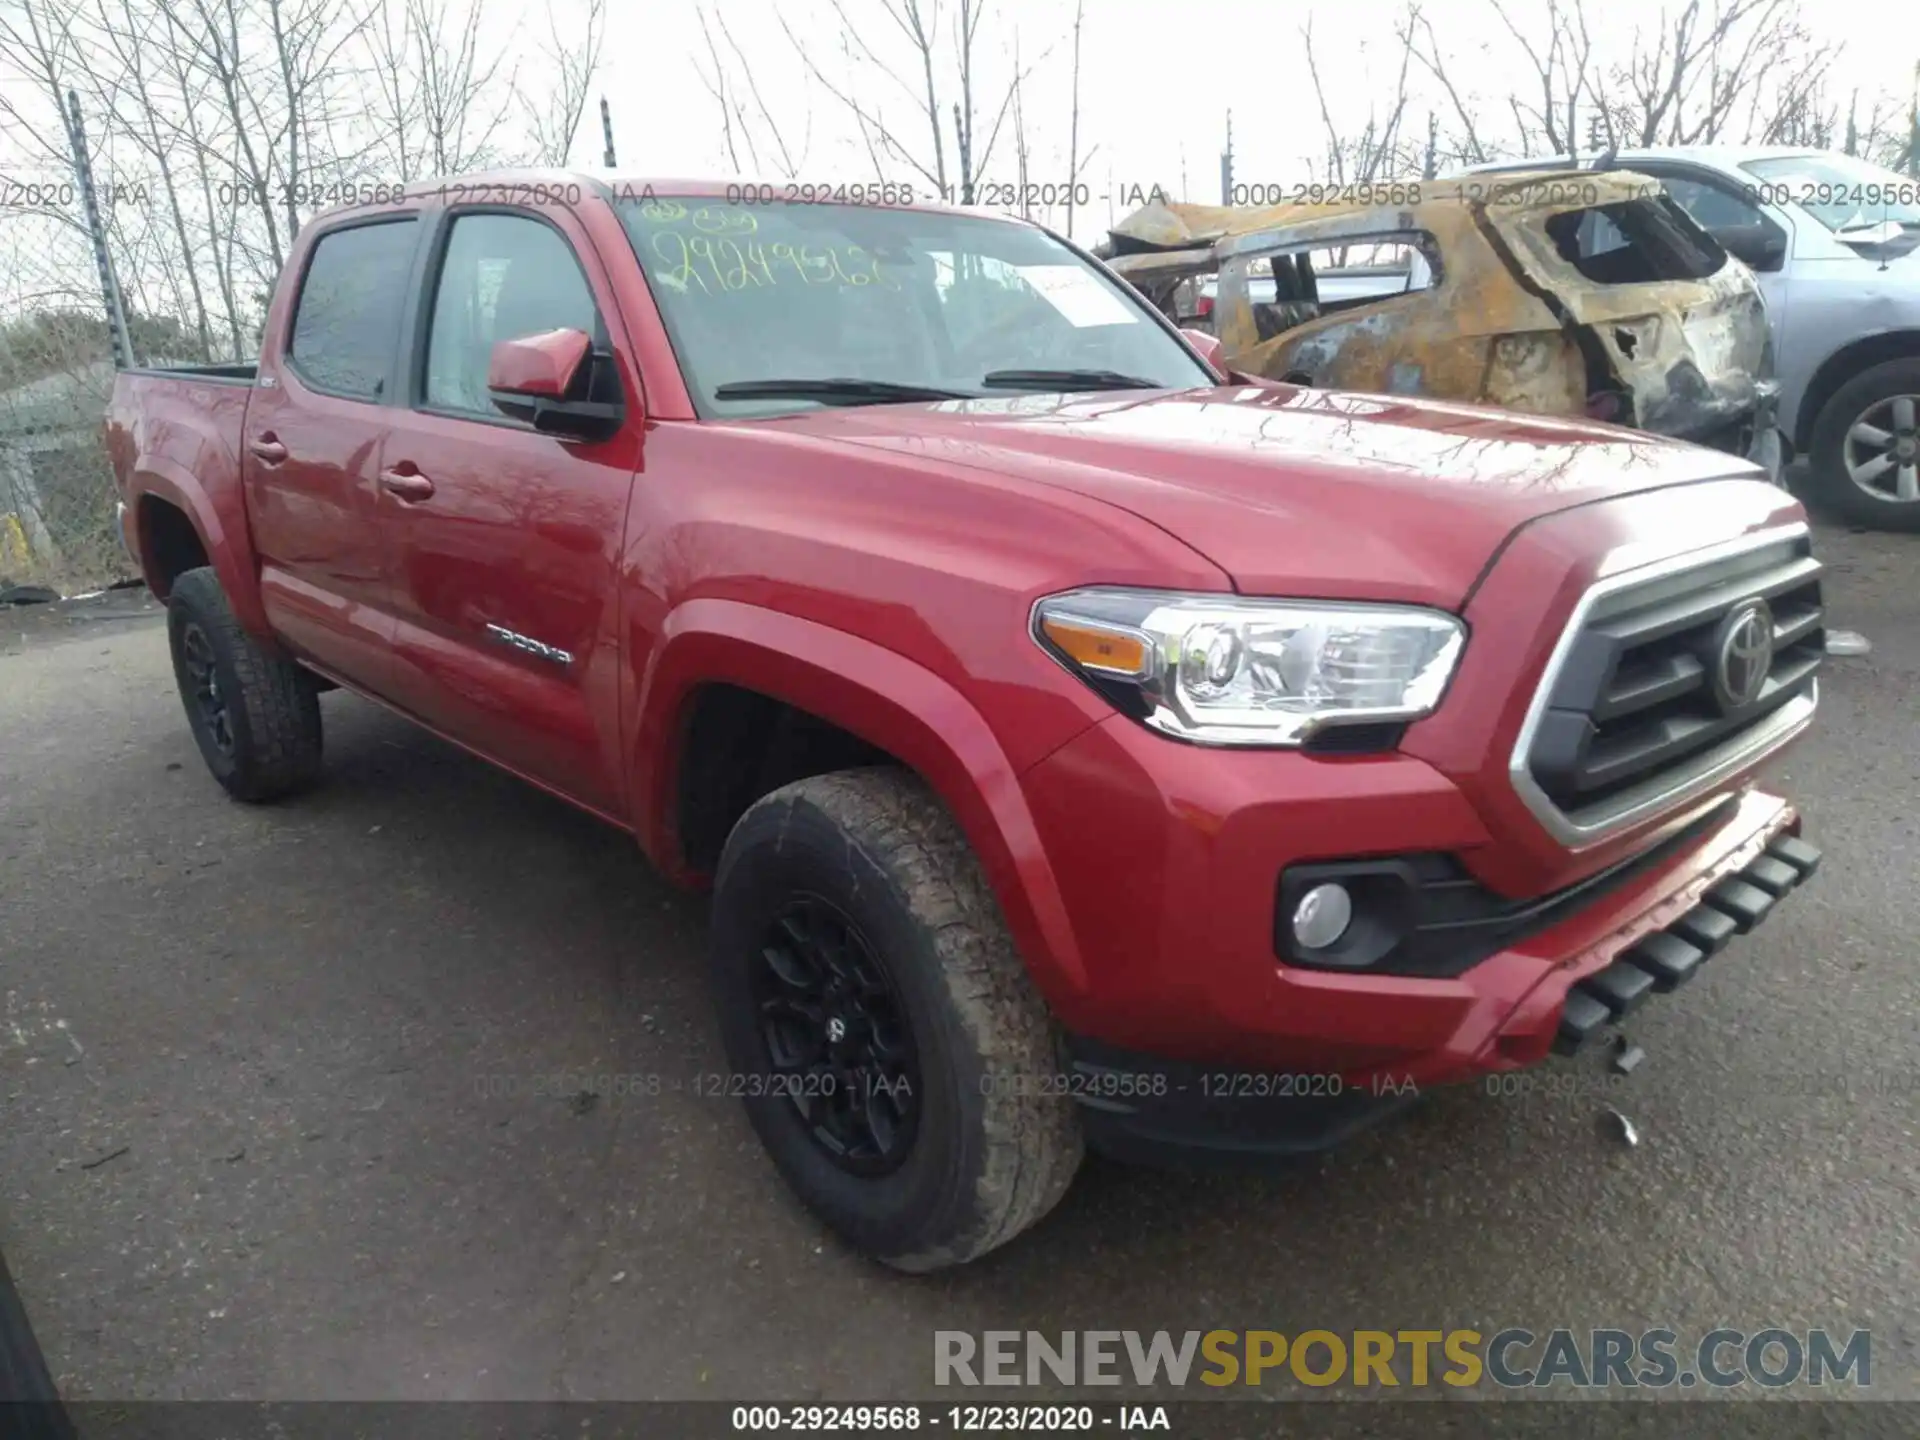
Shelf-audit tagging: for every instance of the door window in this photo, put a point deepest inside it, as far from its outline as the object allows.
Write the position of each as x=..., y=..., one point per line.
x=346, y=324
x=1712, y=207
x=1291, y=287
x=504, y=277
x=1634, y=242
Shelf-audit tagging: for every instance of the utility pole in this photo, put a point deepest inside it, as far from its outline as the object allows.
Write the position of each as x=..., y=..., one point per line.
x=1913, y=126
x=117, y=330
x=606, y=129
x=1226, y=165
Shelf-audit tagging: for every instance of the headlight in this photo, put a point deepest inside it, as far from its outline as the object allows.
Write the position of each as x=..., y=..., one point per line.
x=1225, y=671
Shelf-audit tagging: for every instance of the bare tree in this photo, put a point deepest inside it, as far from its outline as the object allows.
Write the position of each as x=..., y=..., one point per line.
x=269, y=68
x=554, y=111
x=737, y=125
x=40, y=40
x=221, y=241
x=37, y=41
x=1693, y=72
x=1703, y=65
x=1560, y=64
x=1022, y=154
x=130, y=34
x=940, y=64
x=443, y=100
x=1074, y=158
x=1418, y=36
x=1377, y=150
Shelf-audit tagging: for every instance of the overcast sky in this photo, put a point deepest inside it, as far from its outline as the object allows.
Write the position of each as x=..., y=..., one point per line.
x=1157, y=79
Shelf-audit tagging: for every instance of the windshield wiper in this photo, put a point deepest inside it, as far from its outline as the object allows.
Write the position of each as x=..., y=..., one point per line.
x=837, y=391
x=1066, y=380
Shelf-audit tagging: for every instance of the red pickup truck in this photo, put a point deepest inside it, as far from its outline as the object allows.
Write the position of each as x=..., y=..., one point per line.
x=1084, y=745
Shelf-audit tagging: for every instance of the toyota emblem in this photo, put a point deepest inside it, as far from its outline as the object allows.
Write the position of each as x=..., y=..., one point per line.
x=1743, y=655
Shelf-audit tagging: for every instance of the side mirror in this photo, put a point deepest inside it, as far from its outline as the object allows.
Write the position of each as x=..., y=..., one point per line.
x=543, y=380
x=1209, y=347
x=1759, y=247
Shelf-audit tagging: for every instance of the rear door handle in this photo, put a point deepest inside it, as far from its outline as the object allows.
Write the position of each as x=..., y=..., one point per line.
x=268, y=451
x=409, y=485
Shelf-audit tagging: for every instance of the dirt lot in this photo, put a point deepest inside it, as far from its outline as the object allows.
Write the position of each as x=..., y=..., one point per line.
x=323, y=1100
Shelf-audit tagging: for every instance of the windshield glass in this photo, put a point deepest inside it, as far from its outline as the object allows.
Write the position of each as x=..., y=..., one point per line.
x=757, y=292
x=1840, y=191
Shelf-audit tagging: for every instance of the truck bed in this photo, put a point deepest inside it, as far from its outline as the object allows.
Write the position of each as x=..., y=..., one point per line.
x=218, y=374
x=174, y=438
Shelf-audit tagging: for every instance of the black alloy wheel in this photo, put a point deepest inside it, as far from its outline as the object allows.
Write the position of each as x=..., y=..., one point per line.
x=838, y=1044
x=203, y=674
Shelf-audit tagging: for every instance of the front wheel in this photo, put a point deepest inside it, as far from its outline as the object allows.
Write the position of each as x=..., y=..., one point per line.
x=891, y=1052
x=1865, y=456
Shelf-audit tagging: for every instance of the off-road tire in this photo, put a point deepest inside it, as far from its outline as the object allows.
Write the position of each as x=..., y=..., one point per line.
x=271, y=704
x=996, y=1145
x=1827, y=477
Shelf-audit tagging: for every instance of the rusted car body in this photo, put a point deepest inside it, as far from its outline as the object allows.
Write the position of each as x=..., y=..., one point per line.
x=1589, y=295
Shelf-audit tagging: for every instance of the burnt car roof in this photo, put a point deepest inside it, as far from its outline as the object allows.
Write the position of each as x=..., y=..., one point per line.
x=1179, y=226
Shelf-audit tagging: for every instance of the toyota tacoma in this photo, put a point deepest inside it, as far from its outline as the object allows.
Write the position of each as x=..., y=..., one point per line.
x=1085, y=745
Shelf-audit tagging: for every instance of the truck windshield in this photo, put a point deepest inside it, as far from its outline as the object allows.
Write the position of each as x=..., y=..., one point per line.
x=867, y=304
x=1842, y=192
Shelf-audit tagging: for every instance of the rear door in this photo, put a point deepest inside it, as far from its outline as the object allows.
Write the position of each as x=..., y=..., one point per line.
x=315, y=426
x=506, y=542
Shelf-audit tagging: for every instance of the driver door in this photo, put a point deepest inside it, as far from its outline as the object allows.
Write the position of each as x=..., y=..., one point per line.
x=506, y=542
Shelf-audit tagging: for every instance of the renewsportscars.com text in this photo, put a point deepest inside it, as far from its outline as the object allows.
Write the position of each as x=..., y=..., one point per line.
x=1510, y=1359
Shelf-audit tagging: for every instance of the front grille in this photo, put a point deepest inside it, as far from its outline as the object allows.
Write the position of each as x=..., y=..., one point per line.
x=1640, y=702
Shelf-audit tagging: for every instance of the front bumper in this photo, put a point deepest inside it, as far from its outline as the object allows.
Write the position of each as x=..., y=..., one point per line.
x=1754, y=435
x=1769, y=452
x=1665, y=959
x=1144, y=1109
x=1185, y=1030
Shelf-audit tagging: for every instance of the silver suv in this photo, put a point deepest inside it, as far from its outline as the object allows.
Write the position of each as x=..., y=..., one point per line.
x=1832, y=241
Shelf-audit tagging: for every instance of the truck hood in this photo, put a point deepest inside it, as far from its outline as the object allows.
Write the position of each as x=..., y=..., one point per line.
x=1291, y=491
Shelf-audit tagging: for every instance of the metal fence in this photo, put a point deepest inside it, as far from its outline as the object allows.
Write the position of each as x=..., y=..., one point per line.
x=62, y=330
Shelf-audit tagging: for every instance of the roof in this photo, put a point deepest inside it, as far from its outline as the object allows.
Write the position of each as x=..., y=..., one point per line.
x=1180, y=227
x=619, y=184
x=1724, y=157
x=1150, y=265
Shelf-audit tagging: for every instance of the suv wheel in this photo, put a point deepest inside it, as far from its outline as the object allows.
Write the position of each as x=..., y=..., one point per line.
x=254, y=715
x=1865, y=458
x=891, y=1052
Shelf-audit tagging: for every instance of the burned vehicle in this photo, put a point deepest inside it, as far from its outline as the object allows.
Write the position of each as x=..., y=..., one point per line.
x=1593, y=296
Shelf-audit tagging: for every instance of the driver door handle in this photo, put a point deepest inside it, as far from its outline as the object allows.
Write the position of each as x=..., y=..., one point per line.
x=267, y=450
x=409, y=485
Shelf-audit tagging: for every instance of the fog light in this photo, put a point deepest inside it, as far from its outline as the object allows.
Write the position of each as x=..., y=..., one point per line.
x=1322, y=916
